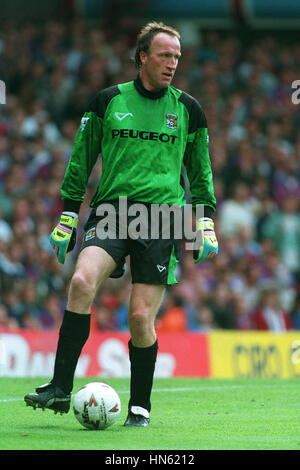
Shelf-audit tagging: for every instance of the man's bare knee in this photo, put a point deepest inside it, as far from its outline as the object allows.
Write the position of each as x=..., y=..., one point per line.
x=139, y=322
x=144, y=303
x=94, y=265
x=83, y=284
x=141, y=327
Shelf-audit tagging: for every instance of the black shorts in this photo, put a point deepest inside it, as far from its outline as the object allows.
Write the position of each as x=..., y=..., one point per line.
x=152, y=260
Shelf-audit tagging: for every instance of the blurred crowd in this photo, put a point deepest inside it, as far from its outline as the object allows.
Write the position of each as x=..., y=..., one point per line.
x=51, y=70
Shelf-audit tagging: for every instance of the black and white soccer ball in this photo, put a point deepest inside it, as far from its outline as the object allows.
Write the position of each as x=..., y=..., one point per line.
x=96, y=405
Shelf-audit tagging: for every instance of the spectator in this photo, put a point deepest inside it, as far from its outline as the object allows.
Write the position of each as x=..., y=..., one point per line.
x=30, y=304
x=283, y=228
x=205, y=319
x=5, y=320
x=105, y=313
x=6, y=233
x=295, y=313
x=173, y=318
x=50, y=316
x=122, y=308
x=221, y=308
x=242, y=313
x=270, y=315
x=236, y=212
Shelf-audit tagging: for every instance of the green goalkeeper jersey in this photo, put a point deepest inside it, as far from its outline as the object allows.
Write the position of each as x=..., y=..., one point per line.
x=144, y=139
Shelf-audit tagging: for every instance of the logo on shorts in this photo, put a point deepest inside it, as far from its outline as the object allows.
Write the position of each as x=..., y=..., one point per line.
x=90, y=234
x=171, y=121
x=160, y=268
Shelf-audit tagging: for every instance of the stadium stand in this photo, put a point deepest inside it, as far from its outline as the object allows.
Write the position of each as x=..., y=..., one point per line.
x=51, y=69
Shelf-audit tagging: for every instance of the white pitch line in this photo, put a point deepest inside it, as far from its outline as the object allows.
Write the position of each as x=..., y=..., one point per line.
x=186, y=389
x=6, y=400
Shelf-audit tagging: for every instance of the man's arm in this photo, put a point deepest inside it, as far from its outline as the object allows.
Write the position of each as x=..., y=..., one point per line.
x=86, y=149
x=199, y=173
x=84, y=155
x=197, y=161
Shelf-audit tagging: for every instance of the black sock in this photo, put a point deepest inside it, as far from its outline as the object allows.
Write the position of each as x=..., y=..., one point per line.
x=73, y=333
x=142, y=362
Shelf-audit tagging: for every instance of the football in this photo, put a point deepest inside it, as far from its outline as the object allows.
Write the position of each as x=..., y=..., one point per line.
x=96, y=405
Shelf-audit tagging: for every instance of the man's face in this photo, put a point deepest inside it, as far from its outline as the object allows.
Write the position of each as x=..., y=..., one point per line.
x=160, y=62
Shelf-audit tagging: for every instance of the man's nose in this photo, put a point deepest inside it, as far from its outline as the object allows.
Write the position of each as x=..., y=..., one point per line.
x=172, y=64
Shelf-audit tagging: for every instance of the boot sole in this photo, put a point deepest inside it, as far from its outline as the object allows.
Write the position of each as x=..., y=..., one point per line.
x=35, y=405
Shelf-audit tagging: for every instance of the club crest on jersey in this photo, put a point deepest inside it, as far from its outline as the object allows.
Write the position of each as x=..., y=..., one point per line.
x=171, y=121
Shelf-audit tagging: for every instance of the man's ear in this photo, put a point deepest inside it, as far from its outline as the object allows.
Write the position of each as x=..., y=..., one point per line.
x=143, y=57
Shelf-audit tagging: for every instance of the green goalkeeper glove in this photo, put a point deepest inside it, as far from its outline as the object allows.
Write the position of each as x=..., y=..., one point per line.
x=63, y=237
x=206, y=243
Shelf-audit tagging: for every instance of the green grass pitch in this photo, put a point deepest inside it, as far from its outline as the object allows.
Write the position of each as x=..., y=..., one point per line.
x=193, y=414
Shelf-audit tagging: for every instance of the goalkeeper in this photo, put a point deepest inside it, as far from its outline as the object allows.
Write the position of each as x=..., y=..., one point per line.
x=145, y=131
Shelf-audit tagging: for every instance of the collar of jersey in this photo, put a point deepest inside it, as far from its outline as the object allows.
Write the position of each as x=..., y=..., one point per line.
x=148, y=94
